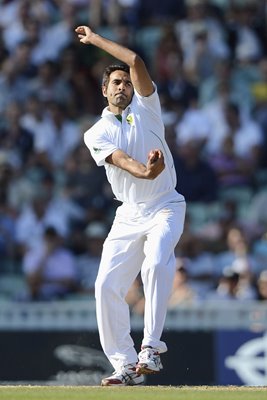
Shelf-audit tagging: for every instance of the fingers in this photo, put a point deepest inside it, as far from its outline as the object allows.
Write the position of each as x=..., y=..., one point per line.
x=155, y=164
x=84, y=34
x=80, y=29
x=155, y=155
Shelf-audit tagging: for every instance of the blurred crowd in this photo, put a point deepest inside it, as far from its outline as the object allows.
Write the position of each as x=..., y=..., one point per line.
x=209, y=61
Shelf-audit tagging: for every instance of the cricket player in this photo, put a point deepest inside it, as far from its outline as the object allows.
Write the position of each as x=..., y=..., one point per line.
x=129, y=142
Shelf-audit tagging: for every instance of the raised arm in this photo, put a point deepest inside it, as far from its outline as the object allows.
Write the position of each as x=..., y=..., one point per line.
x=138, y=72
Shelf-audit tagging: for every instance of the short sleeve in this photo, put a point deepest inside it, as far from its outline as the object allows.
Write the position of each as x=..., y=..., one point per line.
x=100, y=146
x=151, y=102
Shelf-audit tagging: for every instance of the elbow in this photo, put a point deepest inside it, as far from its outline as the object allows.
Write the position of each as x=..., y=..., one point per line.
x=136, y=60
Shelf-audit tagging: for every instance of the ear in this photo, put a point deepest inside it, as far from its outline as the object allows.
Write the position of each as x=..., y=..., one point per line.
x=104, y=91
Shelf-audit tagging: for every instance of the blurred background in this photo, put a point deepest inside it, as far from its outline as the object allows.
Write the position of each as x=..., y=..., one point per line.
x=209, y=61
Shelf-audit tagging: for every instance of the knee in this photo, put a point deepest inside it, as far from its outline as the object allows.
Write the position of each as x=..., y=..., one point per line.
x=161, y=268
x=103, y=286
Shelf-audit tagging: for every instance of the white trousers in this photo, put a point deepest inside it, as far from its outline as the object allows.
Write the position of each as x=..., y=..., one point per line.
x=137, y=241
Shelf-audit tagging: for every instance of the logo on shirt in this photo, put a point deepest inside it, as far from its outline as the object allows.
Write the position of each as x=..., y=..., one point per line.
x=129, y=117
x=96, y=150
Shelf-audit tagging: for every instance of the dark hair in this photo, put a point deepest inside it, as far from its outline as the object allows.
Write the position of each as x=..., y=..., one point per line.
x=51, y=232
x=233, y=107
x=111, y=68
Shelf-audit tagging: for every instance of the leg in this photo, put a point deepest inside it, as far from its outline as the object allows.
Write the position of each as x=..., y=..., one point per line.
x=120, y=263
x=158, y=270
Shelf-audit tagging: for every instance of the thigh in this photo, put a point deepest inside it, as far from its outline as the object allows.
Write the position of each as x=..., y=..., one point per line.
x=165, y=231
x=122, y=256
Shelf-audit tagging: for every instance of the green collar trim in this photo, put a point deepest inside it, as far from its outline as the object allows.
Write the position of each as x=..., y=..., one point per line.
x=119, y=117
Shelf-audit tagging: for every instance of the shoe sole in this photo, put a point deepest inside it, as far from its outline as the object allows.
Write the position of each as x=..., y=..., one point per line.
x=144, y=370
x=130, y=383
x=122, y=384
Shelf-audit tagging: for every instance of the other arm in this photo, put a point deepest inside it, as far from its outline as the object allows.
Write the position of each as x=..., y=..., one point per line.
x=154, y=166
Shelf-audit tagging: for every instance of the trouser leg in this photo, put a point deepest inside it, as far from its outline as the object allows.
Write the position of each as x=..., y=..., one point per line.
x=120, y=264
x=158, y=271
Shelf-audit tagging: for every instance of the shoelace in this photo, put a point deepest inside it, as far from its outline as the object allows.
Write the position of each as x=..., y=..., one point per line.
x=149, y=353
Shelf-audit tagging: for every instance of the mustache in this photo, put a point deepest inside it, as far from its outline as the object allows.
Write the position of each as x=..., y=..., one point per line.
x=121, y=94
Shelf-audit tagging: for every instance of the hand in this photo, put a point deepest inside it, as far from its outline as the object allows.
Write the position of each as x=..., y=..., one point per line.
x=155, y=164
x=153, y=156
x=84, y=34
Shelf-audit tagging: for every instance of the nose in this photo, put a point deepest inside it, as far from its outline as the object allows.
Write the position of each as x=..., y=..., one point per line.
x=122, y=85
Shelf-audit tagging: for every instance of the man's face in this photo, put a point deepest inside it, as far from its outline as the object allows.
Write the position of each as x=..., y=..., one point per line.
x=119, y=91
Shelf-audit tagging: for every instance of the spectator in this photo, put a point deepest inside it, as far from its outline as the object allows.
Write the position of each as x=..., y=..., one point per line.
x=196, y=180
x=50, y=269
x=15, y=31
x=34, y=118
x=199, y=265
x=169, y=71
x=262, y=286
x=58, y=138
x=88, y=262
x=260, y=249
x=182, y=292
x=238, y=144
x=14, y=138
x=227, y=287
x=257, y=212
x=13, y=88
x=194, y=124
x=198, y=21
x=135, y=297
x=48, y=85
x=7, y=237
x=225, y=76
x=79, y=169
x=245, y=42
x=231, y=170
x=46, y=208
x=246, y=135
x=259, y=93
x=21, y=58
x=238, y=255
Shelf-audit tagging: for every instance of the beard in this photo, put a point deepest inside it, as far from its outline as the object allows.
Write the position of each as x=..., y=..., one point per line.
x=120, y=100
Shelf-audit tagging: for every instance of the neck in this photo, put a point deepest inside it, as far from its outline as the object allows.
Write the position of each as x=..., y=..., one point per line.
x=115, y=110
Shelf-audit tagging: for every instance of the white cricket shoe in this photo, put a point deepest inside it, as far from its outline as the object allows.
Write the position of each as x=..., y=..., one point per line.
x=149, y=361
x=125, y=376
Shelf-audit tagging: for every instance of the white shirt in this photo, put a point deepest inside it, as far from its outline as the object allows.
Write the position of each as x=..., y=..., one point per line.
x=59, y=265
x=140, y=131
x=248, y=136
x=57, y=144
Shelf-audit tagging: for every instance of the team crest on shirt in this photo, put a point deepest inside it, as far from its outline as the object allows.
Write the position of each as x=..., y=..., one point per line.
x=96, y=150
x=129, y=117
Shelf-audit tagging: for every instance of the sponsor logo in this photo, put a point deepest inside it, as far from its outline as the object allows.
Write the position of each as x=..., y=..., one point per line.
x=87, y=366
x=250, y=362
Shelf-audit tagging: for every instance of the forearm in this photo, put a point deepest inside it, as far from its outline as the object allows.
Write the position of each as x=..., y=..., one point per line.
x=127, y=163
x=122, y=53
x=134, y=167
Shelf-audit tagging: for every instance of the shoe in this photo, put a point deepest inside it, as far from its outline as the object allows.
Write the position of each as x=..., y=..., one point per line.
x=125, y=376
x=149, y=361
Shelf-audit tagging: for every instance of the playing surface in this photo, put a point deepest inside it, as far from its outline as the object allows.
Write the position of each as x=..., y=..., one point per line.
x=132, y=393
